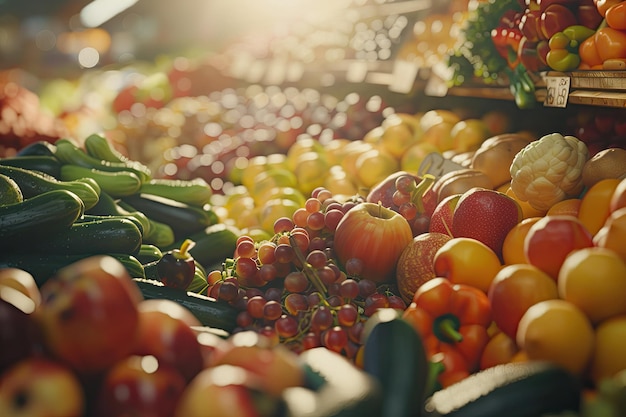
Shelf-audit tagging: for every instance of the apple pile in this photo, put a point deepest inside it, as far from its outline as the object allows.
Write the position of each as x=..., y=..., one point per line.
x=87, y=344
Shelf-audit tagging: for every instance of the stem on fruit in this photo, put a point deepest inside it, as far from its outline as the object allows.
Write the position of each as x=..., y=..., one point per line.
x=420, y=189
x=446, y=328
x=185, y=247
x=307, y=269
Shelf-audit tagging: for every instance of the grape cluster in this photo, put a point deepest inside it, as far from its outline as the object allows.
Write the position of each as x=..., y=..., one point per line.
x=408, y=200
x=291, y=289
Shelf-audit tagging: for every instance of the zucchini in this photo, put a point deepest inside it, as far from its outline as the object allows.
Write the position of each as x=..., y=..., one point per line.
x=108, y=206
x=518, y=389
x=213, y=244
x=33, y=183
x=183, y=218
x=334, y=387
x=42, y=266
x=393, y=352
x=208, y=311
x=195, y=192
x=149, y=253
x=70, y=153
x=38, y=148
x=133, y=266
x=99, y=147
x=86, y=218
x=43, y=216
x=42, y=163
x=93, y=237
x=116, y=184
x=160, y=234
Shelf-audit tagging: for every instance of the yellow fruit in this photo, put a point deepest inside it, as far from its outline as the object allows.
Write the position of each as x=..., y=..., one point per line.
x=559, y=332
x=465, y=260
x=311, y=172
x=338, y=182
x=301, y=146
x=374, y=166
x=413, y=157
x=401, y=131
x=288, y=193
x=594, y=279
x=255, y=166
x=274, y=209
x=608, y=357
x=272, y=178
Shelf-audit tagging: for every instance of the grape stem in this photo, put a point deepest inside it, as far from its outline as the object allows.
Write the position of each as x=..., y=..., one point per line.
x=421, y=189
x=307, y=269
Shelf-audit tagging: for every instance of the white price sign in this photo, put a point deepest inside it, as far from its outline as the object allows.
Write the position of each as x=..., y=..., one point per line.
x=557, y=91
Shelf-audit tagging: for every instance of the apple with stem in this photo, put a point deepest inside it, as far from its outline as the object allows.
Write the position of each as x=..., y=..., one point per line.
x=374, y=234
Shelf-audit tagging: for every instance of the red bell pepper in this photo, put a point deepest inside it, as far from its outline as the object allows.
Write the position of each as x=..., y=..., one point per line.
x=507, y=41
x=453, y=320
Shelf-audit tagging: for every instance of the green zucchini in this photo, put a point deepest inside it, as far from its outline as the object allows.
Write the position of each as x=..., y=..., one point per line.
x=38, y=148
x=183, y=218
x=393, y=352
x=70, y=153
x=160, y=234
x=42, y=266
x=149, y=253
x=108, y=206
x=517, y=389
x=42, y=163
x=100, y=148
x=116, y=184
x=86, y=218
x=133, y=266
x=42, y=216
x=93, y=237
x=195, y=192
x=334, y=387
x=33, y=183
x=208, y=311
x=213, y=244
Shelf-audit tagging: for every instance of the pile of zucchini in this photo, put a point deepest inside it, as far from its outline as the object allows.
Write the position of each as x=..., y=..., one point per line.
x=60, y=202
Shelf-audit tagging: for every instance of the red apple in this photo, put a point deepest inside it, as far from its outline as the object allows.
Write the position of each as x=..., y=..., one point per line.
x=441, y=219
x=227, y=391
x=165, y=331
x=374, y=234
x=19, y=333
x=139, y=386
x=40, y=387
x=89, y=313
x=485, y=215
x=551, y=239
x=416, y=263
x=555, y=18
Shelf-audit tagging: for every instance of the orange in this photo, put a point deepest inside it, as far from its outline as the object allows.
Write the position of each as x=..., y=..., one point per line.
x=608, y=358
x=594, y=279
x=568, y=206
x=513, y=245
x=595, y=204
x=559, y=332
x=464, y=260
x=613, y=234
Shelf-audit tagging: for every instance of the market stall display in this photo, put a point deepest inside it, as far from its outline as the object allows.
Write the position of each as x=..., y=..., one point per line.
x=369, y=235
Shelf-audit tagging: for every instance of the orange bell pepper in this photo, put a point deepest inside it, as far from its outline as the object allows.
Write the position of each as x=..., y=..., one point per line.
x=605, y=45
x=604, y=5
x=616, y=16
x=453, y=320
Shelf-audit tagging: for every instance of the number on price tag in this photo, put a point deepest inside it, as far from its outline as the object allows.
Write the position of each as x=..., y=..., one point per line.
x=557, y=91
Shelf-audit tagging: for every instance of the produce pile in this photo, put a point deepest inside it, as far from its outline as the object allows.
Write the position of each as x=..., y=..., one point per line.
x=474, y=261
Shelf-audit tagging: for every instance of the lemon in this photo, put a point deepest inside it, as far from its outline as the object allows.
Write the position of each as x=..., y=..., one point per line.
x=10, y=192
x=273, y=210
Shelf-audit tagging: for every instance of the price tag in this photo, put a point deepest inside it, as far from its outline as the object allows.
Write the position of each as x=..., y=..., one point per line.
x=403, y=77
x=557, y=91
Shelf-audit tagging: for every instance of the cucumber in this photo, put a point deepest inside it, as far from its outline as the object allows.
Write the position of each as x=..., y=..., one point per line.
x=116, y=184
x=133, y=266
x=334, y=388
x=42, y=266
x=149, y=253
x=183, y=218
x=69, y=153
x=213, y=244
x=160, y=234
x=10, y=192
x=41, y=163
x=208, y=311
x=33, y=183
x=512, y=389
x=38, y=148
x=42, y=216
x=93, y=237
x=99, y=147
x=108, y=206
x=393, y=352
x=86, y=218
x=195, y=192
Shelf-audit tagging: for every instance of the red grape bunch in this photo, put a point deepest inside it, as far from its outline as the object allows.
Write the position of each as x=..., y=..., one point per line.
x=408, y=198
x=291, y=288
